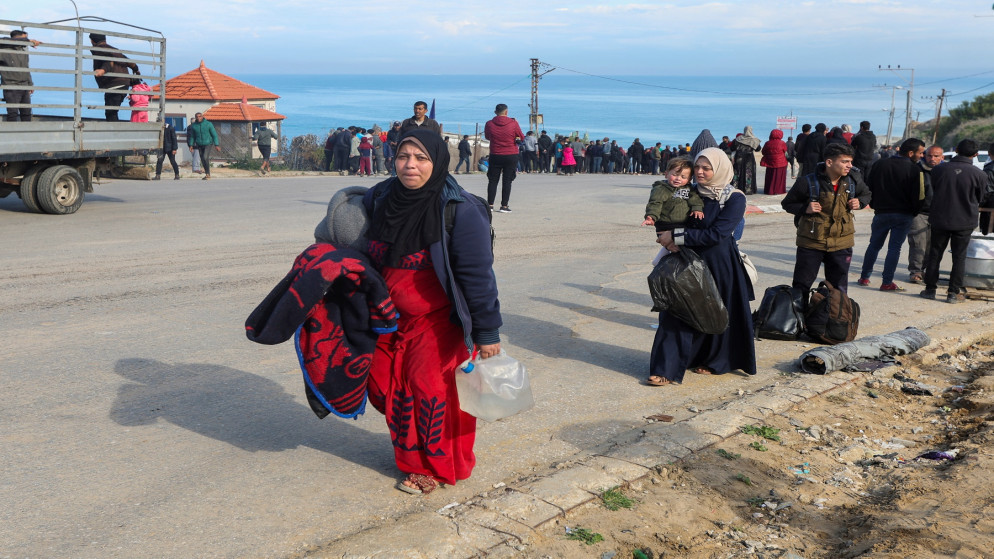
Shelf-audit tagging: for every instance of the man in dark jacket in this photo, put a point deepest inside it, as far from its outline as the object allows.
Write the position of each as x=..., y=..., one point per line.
x=958, y=188
x=329, y=148
x=919, y=234
x=799, y=146
x=119, y=84
x=169, y=146
x=898, y=188
x=865, y=144
x=544, y=152
x=419, y=120
x=465, y=153
x=343, y=144
x=814, y=149
x=12, y=56
x=635, y=156
x=503, y=133
x=825, y=228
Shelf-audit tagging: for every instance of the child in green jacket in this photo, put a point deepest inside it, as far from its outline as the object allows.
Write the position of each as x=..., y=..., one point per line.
x=673, y=200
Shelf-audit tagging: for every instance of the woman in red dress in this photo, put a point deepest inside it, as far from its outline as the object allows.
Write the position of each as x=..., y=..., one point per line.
x=775, y=161
x=438, y=266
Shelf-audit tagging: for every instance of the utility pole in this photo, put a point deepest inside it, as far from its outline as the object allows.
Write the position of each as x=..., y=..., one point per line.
x=535, y=119
x=911, y=92
x=938, y=116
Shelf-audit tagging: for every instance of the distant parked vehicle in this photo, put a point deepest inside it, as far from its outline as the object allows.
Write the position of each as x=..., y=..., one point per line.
x=979, y=161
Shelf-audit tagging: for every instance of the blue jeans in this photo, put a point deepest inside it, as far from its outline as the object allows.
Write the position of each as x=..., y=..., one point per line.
x=897, y=226
x=463, y=159
x=596, y=167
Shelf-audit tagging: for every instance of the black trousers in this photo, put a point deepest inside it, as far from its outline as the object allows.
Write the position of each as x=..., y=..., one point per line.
x=21, y=97
x=205, y=158
x=329, y=155
x=544, y=161
x=172, y=161
x=113, y=99
x=809, y=261
x=531, y=161
x=341, y=159
x=958, y=241
x=505, y=166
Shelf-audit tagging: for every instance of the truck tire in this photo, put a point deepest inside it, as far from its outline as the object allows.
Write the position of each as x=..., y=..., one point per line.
x=60, y=190
x=28, y=191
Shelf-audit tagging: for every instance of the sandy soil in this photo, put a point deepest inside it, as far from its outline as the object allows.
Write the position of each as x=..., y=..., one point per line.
x=842, y=481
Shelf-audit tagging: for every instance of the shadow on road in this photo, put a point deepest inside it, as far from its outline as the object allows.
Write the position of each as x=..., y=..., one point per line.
x=244, y=410
x=556, y=341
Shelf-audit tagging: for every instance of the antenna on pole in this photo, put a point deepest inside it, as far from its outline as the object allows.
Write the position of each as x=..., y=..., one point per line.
x=535, y=119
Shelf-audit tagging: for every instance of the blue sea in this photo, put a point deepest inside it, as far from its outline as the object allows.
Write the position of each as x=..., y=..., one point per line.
x=663, y=109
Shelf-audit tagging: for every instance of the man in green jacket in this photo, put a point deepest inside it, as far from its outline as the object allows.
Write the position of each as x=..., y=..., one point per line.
x=201, y=135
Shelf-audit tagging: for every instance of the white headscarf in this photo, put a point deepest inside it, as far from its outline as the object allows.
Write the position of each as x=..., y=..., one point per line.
x=715, y=188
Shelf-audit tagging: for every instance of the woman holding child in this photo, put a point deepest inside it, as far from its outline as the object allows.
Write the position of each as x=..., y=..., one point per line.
x=678, y=347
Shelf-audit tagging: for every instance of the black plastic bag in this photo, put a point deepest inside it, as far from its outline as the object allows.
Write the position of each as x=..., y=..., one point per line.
x=682, y=285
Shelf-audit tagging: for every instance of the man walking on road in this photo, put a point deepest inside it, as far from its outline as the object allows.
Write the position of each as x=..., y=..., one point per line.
x=958, y=188
x=898, y=188
x=264, y=139
x=200, y=136
x=465, y=154
x=503, y=133
x=822, y=203
x=169, y=146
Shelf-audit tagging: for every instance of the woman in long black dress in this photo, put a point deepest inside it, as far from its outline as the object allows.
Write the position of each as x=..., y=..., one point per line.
x=746, y=145
x=678, y=347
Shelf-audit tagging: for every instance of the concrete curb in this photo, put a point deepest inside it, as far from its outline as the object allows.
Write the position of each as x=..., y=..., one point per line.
x=498, y=523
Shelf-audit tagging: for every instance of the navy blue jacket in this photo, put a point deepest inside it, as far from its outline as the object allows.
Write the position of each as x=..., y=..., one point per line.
x=463, y=262
x=957, y=190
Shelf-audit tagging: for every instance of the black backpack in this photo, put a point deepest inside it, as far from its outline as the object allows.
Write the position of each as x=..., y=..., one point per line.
x=781, y=313
x=832, y=317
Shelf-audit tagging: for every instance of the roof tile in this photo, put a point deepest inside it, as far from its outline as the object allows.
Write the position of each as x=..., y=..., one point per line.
x=204, y=84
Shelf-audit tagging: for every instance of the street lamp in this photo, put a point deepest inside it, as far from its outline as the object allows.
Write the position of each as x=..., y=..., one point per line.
x=890, y=120
x=911, y=92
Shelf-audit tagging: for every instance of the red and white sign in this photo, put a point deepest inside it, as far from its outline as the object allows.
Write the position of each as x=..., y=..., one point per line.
x=787, y=122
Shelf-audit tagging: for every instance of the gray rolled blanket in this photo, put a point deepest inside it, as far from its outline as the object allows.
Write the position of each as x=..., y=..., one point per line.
x=824, y=359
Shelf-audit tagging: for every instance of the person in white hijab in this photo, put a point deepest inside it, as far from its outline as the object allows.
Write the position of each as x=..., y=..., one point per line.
x=678, y=347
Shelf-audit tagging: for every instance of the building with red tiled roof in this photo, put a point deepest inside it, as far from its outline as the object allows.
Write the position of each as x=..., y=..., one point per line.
x=234, y=107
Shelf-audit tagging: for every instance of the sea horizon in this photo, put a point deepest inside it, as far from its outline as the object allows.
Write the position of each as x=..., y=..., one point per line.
x=655, y=108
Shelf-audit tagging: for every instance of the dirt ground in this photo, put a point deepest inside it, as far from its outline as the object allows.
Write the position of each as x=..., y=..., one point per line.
x=843, y=480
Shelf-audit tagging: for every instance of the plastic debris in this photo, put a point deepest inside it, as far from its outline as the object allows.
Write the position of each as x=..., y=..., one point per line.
x=939, y=455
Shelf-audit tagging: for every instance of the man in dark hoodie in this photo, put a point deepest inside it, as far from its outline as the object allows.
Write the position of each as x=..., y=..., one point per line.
x=503, y=133
x=119, y=84
x=419, y=120
x=865, y=144
x=814, y=148
x=898, y=188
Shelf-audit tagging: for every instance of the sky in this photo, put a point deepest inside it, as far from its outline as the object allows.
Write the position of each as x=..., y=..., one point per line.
x=773, y=37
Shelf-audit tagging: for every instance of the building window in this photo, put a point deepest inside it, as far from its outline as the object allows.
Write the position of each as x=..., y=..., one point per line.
x=177, y=121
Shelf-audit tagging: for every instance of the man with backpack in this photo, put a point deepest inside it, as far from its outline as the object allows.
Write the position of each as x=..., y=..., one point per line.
x=822, y=203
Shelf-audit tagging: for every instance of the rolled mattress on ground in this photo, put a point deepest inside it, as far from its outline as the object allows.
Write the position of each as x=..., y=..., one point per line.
x=826, y=359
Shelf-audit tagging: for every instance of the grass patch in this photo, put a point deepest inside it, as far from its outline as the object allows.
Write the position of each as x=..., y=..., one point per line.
x=584, y=535
x=837, y=399
x=768, y=433
x=744, y=479
x=755, y=502
x=727, y=455
x=614, y=499
x=756, y=445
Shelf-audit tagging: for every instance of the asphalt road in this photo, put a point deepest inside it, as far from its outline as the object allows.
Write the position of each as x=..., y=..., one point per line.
x=138, y=421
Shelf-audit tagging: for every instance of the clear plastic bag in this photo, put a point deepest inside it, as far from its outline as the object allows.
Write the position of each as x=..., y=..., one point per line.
x=494, y=388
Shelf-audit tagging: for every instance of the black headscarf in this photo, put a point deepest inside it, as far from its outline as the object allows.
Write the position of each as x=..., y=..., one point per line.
x=411, y=220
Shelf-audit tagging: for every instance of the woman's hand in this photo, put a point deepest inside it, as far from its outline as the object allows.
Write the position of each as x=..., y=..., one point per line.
x=487, y=351
x=665, y=238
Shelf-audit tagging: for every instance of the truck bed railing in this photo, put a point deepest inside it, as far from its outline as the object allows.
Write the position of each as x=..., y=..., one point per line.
x=62, y=66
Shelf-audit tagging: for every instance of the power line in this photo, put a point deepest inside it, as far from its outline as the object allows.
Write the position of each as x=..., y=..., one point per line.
x=970, y=91
x=736, y=93
x=957, y=78
x=471, y=103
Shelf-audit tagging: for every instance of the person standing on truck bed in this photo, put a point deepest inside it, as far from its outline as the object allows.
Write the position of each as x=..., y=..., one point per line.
x=102, y=67
x=201, y=135
x=16, y=56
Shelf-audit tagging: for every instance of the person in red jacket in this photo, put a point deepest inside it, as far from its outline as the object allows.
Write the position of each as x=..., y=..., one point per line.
x=503, y=133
